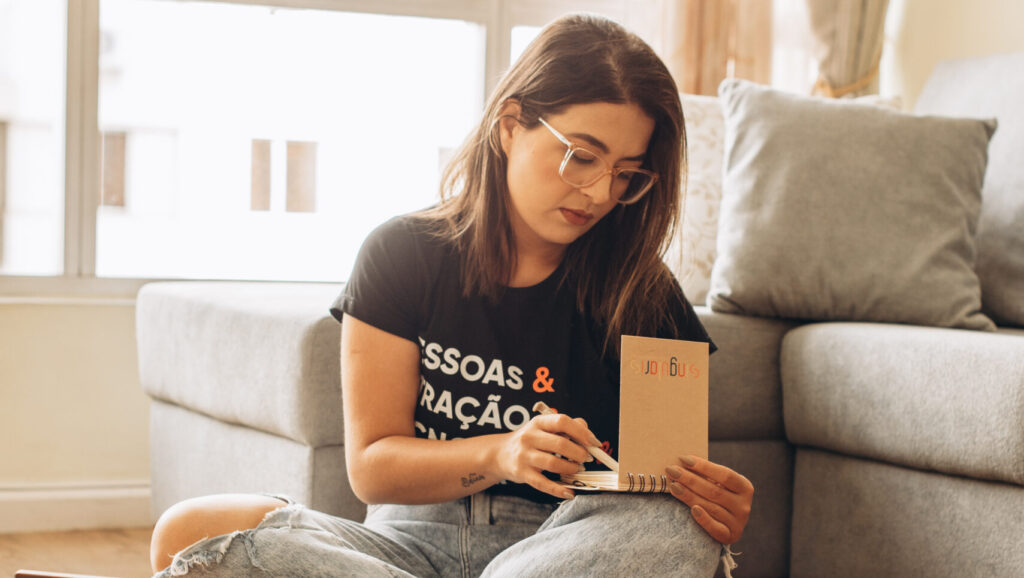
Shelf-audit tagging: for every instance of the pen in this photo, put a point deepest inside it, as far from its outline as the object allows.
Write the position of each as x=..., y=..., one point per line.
x=595, y=451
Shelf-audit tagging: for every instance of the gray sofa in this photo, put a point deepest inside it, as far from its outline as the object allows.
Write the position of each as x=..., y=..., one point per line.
x=875, y=449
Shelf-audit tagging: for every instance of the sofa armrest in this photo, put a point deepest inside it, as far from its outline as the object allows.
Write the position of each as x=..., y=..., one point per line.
x=262, y=355
x=745, y=395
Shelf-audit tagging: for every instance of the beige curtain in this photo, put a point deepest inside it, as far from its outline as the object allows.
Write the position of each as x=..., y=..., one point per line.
x=848, y=37
x=706, y=41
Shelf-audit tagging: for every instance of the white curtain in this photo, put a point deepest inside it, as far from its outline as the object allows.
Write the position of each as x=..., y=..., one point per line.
x=848, y=37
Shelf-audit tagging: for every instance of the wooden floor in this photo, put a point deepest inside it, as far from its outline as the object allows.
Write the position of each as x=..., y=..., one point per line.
x=115, y=553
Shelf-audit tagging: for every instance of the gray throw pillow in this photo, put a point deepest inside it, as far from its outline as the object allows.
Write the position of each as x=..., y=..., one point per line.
x=839, y=211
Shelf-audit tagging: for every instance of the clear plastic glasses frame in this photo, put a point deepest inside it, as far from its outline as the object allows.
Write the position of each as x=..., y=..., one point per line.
x=582, y=167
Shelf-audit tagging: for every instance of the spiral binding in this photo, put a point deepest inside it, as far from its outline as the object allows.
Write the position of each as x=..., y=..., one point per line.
x=648, y=483
x=638, y=483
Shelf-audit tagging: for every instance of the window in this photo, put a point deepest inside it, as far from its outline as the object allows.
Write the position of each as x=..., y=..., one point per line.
x=31, y=137
x=521, y=38
x=272, y=151
x=146, y=139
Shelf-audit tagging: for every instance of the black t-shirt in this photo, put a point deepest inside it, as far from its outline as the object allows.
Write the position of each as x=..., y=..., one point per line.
x=484, y=364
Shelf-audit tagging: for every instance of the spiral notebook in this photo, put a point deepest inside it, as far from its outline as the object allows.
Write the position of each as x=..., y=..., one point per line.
x=663, y=414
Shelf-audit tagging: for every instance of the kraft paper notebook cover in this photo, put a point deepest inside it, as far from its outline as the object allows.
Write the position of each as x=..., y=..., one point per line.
x=663, y=414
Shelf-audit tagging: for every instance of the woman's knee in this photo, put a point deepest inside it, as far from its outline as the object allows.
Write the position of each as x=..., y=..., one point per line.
x=195, y=519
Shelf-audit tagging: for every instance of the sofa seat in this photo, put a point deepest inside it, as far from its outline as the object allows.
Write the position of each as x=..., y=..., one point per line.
x=945, y=400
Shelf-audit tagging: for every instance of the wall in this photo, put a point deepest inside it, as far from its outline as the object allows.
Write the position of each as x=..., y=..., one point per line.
x=72, y=416
x=923, y=32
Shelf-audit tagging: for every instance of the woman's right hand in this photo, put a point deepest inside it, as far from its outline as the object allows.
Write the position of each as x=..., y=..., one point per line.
x=553, y=443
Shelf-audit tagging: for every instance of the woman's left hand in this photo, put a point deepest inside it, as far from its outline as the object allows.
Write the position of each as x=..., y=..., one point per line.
x=719, y=498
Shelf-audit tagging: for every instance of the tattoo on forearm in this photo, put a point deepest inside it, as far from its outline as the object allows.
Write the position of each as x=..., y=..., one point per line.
x=472, y=479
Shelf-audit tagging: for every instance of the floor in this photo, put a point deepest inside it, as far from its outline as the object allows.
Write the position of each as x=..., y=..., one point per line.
x=114, y=553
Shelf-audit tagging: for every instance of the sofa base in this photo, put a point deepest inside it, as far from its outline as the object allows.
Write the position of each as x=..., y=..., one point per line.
x=768, y=465
x=854, y=517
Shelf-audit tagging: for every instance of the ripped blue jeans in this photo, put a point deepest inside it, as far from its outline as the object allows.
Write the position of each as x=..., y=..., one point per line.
x=480, y=535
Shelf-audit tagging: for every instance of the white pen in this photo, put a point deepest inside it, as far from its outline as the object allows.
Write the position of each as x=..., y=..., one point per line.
x=595, y=451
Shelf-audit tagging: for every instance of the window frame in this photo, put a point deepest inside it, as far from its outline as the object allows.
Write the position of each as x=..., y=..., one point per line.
x=82, y=147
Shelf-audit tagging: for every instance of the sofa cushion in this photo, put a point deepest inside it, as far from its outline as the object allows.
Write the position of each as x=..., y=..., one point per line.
x=992, y=87
x=935, y=399
x=263, y=355
x=839, y=211
x=745, y=394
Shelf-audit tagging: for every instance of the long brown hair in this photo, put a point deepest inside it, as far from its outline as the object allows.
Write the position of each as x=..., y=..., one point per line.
x=616, y=268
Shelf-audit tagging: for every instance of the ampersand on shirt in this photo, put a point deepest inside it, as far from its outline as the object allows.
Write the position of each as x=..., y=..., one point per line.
x=543, y=383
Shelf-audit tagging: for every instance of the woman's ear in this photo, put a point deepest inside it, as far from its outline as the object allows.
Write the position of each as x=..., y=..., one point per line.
x=508, y=123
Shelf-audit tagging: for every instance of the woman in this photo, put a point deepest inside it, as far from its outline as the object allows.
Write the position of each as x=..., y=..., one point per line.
x=545, y=248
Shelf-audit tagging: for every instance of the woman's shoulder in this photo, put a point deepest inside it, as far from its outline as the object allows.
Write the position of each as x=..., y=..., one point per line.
x=397, y=265
x=400, y=228
x=410, y=233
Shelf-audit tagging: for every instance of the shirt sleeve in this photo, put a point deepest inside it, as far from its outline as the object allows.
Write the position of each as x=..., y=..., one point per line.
x=386, y=286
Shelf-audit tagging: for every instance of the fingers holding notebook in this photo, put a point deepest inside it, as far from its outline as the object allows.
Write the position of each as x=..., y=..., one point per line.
x=719, y=498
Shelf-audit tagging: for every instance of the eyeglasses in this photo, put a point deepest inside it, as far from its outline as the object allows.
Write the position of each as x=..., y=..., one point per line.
x=582, y=167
